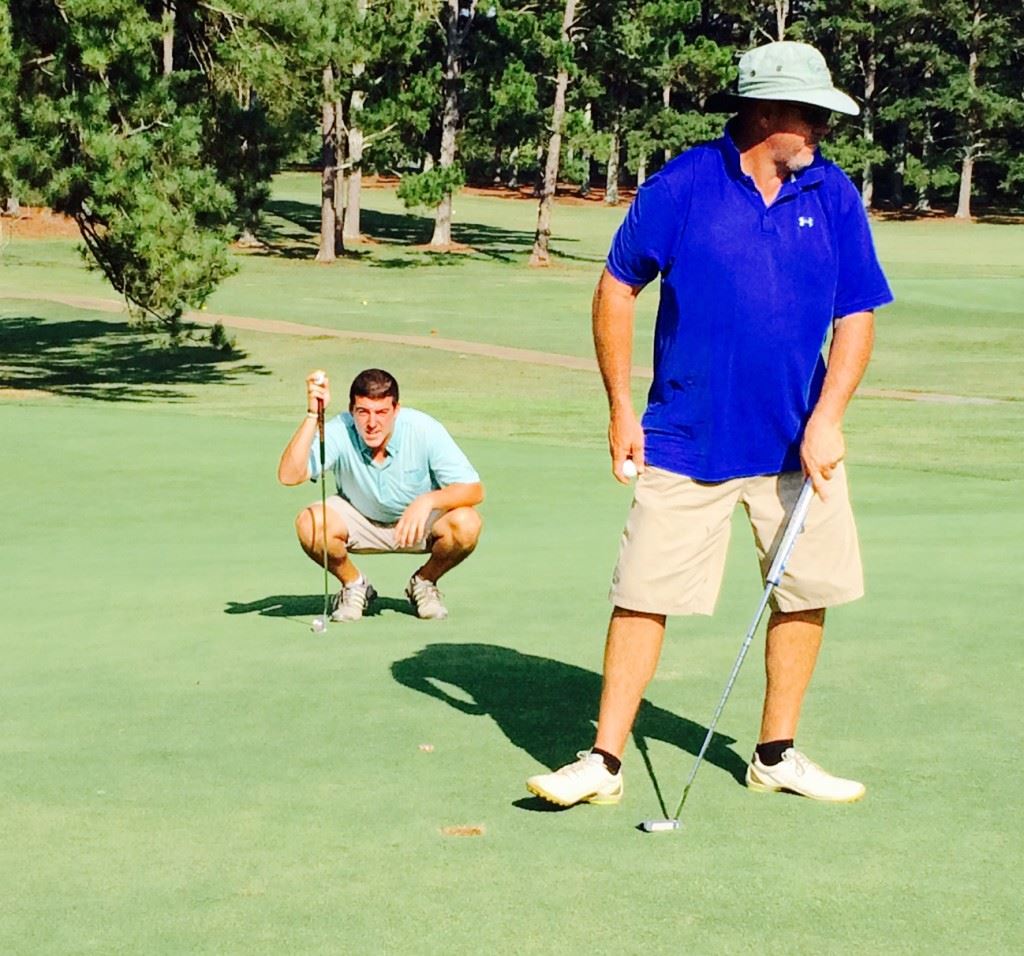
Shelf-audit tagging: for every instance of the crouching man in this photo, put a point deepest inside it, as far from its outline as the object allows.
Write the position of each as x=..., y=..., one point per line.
x=403, y=486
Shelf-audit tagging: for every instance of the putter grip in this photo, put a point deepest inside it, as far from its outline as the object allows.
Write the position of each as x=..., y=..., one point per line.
x=793, y=528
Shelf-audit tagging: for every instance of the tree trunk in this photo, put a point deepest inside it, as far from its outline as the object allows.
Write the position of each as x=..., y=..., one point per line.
x=354, y=176
x=970, y=152
x=666, y=101
x=869, y=67
x=611, y=188
x=586, y=157
x=168, y=37
x=353, y=228
x=923, y=203
x=781, y=16
x=329, y=157
x=900, y=154
x=340, y=213
x=541, y=240
x=457, y=30
x=641, y=172
x=963, y=205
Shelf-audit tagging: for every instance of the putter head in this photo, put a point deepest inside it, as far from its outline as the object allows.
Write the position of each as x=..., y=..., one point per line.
x=660, y=826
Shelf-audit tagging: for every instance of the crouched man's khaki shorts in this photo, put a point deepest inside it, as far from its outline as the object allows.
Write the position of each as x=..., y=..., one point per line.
x=673, y=548
x=366, y=536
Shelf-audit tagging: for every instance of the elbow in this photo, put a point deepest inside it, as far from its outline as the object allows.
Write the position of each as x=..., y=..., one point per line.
x=289, y=478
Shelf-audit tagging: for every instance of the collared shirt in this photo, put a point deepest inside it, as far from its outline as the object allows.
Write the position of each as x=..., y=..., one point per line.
x=748, y=295
x=420, y=456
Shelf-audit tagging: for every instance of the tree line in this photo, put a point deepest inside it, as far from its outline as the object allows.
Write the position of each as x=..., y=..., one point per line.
x=158, y=125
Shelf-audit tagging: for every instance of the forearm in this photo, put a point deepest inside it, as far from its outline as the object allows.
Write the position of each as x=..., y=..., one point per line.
x=613, y=312
x=852, y=340
x=460, y=495
x=293, y=469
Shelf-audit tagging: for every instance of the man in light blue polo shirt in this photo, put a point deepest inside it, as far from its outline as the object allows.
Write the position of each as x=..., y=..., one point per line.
x=762, y=248
x=403, y=486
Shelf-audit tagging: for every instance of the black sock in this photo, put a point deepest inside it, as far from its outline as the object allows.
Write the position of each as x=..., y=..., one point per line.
x=771, y=751
x=611, y=763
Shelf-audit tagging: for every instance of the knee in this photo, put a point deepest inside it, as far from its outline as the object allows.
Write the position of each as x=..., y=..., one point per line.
x=465, y=525
x=306, y=525
x=309, y=526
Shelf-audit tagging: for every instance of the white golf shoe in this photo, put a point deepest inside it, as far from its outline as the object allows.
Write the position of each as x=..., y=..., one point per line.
x=585, y=781
x=797, y=774
x=426, y=599
x=351, y=602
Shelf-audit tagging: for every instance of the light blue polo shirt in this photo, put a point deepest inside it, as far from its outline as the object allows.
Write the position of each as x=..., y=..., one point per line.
x=420, y=456
x=748, y=295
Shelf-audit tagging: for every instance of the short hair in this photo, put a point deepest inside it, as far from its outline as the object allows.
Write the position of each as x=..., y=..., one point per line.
x=373, y=383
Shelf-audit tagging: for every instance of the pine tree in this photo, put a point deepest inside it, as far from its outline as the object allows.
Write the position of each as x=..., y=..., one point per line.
x=113, y=148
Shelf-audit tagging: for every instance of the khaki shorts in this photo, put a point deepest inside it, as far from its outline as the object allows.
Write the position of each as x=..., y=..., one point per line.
x=366, y=536
x=673, y=549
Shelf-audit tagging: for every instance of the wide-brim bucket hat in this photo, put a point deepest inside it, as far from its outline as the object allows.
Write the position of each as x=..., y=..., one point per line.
x=787, y=71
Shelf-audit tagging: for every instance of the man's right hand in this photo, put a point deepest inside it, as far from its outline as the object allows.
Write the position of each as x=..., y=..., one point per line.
x=625, y=440
x=318, y=388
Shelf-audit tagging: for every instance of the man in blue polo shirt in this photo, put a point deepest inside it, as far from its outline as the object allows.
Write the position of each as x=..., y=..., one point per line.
x=403, y=486
x=762, y=248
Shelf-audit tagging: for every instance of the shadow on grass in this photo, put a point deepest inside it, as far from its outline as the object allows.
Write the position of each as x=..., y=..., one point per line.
x=408, y=229
x=309, y=605
x=545, y=707
x=107, y=361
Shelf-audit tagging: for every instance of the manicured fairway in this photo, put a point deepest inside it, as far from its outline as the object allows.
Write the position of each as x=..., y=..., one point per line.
x=186, y=768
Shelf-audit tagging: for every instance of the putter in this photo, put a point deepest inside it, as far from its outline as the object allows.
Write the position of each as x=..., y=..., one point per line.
x=319, y=624
x=793, y=528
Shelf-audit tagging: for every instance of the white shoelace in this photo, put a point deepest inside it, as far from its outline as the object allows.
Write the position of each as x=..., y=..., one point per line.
x=354, y=595
x=423, y=591
x=582, y=764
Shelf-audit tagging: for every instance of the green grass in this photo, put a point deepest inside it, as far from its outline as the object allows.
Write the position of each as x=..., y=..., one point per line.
x=186, y=768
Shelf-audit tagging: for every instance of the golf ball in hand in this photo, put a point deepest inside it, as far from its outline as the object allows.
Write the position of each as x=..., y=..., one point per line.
x=319, y=377
x=629, y=468
x=319, y=625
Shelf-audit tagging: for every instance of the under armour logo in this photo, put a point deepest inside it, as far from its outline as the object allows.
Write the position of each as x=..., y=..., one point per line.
x=805, y=221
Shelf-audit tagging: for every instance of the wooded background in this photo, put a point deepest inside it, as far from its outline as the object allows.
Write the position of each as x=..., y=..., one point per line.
x=159, y=125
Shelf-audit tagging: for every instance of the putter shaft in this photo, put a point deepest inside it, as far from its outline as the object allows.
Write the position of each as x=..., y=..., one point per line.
x=323, y=501
x=772, y=578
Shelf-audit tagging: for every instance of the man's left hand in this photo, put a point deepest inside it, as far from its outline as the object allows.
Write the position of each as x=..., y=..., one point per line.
x=412, y=526
x=821, y=451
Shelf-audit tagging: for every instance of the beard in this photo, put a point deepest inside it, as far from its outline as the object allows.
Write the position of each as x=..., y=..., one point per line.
x=801, y=160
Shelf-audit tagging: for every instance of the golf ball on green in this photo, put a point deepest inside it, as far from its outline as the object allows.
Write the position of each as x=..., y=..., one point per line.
x=319, y=625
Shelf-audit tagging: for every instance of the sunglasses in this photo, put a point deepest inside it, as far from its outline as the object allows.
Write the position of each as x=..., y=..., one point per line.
x=812, y=115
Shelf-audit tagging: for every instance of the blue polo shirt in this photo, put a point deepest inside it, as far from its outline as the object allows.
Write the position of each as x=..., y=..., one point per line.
x=748, y=294
x=420, y=456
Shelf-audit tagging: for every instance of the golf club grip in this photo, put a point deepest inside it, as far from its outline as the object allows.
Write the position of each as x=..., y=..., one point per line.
x=789, y=536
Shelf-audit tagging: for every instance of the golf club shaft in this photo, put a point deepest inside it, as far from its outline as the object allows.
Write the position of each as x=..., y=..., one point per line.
x=778, y=566
x=323, y=498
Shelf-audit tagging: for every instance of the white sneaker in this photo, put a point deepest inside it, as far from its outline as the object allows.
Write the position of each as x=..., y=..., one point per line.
x=352, y=600
x=426, y=599
x=797, y=774
x=585, y=781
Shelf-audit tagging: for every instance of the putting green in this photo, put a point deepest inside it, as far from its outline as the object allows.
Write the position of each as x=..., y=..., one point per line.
x=187, y=768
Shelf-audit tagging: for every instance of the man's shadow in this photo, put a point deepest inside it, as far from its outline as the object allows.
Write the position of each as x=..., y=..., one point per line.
x=308, y=605
x=545, y=707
